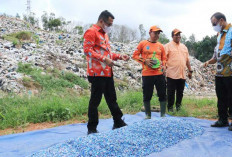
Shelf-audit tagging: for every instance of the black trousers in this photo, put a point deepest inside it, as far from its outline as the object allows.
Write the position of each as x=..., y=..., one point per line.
x=99, y=86
x=224, y=93
x=175, y=87
x=148, y=87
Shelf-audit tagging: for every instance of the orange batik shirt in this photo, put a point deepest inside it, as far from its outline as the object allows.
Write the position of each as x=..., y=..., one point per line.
x=96, y=47
x=149, y=50
x=177, y=57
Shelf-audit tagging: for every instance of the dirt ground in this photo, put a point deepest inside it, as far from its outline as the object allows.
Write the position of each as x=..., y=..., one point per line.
x=37, y=126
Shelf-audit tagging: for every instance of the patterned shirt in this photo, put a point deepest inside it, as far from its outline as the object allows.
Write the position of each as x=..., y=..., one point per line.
x=223, y=52
x=149, y=50
x=96, y=47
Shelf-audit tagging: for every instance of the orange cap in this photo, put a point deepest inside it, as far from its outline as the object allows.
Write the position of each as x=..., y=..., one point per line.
x=175, y=31
x=155, y=28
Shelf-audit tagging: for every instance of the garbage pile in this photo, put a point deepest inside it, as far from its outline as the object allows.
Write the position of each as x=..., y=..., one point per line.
x=64, y=51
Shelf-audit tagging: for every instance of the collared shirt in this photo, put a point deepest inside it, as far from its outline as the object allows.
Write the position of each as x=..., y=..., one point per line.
x=177, y=58
x=148, y=50
x=96, y=47
x=222, y=52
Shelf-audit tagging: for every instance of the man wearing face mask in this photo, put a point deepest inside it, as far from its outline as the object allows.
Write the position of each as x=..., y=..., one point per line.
x=223, y=57
x=99, y=70
x=150, y=53
x=177, y=61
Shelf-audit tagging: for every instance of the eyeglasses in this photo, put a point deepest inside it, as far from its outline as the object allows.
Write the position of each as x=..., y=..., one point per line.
x=215, y=24
x=107, y=23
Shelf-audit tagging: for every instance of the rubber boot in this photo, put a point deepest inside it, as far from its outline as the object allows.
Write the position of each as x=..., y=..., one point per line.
x=162, y=108
x=178, y=107
x=147, y=107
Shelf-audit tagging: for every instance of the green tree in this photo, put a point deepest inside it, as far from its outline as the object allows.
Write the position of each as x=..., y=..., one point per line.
x=63, y=23
x=183, y=39
x=163, y=38
x=191, y=45
x=25, y=18
x=54, y=24
x=45, y=20
x=79, y=29
x=31, y=19
x=142, y=32
x=192, y=38
x=17, y=16
x=52, y=16
x=205, y=48
x=51, y=22
x=122, y=33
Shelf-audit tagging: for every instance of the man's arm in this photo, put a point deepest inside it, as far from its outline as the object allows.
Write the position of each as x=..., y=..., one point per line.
x=113, y=56
x=137, y=54
x=188, y=65
x=89, y=43
x=163, y=59
x=213, y=60
x=190, y=71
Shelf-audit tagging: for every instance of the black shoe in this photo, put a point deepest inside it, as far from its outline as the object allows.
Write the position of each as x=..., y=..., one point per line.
x=230, y=117
x=92, y=132
x=178, y=109
x=230, y=127
x=170, y=110
x=220, y=124
x=119, y=124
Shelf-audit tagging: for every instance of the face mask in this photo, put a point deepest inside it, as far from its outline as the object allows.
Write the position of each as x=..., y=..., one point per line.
x=106, y=29
x=217, y=28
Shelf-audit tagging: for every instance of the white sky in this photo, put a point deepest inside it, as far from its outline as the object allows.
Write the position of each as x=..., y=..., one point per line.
x=190, y=16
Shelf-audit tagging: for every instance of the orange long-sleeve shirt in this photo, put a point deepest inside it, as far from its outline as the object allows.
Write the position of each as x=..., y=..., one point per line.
x=147, y=50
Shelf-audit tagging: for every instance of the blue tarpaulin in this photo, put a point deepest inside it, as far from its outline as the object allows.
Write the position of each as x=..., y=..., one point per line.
x=214, y=142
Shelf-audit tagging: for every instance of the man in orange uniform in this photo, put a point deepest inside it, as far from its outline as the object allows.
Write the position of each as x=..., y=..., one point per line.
x=177, y=60
x=150, y=53
x=99, y=70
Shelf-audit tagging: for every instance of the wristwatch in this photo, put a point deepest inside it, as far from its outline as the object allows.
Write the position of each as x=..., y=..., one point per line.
x=191, y=71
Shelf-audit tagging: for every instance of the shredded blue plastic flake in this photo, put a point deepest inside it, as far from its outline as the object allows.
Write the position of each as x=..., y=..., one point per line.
x=139, y=139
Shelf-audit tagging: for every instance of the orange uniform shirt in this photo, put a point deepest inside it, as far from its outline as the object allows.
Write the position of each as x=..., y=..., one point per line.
x=148, y=50
x=177, y=57
x=96, y=47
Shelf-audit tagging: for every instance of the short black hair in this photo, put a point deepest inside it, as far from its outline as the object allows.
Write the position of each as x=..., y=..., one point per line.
x=105, y=16
x=218, y=16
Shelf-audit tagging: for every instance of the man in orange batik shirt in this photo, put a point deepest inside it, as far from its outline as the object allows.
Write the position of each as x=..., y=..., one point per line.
x=99, y=70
